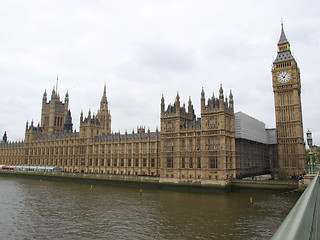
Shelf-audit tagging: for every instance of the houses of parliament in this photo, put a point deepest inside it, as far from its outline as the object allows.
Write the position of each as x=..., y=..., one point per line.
x=217, y=146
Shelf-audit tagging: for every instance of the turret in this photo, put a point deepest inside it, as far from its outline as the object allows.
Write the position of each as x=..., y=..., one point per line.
x=221, y=93
x=68, y=123
x=89, y=115
x=203, y=100
x=81, y=117
x=190, y=108
x=44, y=98
x=53, y=113
x=104, y=100
x=162, y=105
x=66, y=99
x=177, y=103
x=231, y=100
x=221, y=97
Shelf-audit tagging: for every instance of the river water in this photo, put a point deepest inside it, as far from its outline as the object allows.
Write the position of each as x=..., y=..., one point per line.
x=31, y=209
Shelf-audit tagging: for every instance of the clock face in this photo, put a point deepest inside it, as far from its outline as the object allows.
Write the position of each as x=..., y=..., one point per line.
x=284, y=77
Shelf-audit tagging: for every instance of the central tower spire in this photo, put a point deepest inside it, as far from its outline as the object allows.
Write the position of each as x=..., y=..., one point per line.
x=103, y=115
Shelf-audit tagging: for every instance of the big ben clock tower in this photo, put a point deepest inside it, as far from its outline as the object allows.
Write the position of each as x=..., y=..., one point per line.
x=287, y=98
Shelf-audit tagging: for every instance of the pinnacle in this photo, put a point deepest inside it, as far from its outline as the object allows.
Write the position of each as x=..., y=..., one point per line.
x=283, y=38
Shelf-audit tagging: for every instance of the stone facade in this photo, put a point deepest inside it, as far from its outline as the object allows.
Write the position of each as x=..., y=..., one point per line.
x=188, y=149
x=198, y=148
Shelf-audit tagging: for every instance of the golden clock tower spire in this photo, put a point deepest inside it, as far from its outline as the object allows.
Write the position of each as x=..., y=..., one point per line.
x=287, y=98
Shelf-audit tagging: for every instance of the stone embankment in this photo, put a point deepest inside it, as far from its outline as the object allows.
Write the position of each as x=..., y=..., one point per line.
x=152, y=181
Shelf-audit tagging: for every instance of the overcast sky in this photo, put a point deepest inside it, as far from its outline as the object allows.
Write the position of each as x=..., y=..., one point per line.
x=143, y=49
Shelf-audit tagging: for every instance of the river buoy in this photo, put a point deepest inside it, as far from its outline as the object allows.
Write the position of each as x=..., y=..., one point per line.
x=140, y=191
x=251, y=200
x=40, y=180
x=91, y=186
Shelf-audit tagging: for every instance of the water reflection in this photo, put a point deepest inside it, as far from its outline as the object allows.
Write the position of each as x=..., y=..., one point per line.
x=53, y=210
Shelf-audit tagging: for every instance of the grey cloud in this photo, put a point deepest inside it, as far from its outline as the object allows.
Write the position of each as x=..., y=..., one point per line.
x=166, y=56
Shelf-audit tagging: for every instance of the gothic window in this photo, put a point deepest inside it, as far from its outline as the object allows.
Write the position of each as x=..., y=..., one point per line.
x=144, y=162
x=213, y=143
x=115, y=162
x=190, y=145
x=102, y=149
x=170, y=145
x=169, y=125
x=152, y=162
x=190, y=163
x=129, y=149
x=183, y=162
x=122, y=162
x=198, y=144
x=183, y=146
x=122, y=148
x=169, y=162
x=109, y=162
x=212, y=122
x=102, y=162
x=137, y=162
x=115, y=149
x=129, y=162
x=213, y=162
x=137, y=147
x=144, y=148
x=153, y=150
x=199, y=163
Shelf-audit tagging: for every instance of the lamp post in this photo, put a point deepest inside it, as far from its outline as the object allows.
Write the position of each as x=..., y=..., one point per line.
x=309, y=141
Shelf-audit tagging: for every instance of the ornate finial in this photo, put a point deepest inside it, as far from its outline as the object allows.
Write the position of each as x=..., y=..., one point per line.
x=162, y=104
x=178, y=99
x=221, y=92
x=5, y=138
x=105, y=90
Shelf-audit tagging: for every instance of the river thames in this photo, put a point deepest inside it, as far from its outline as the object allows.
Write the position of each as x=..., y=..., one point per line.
x=31, y=209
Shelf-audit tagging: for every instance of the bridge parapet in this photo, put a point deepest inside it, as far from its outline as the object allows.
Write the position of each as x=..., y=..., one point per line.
x=303, y=221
